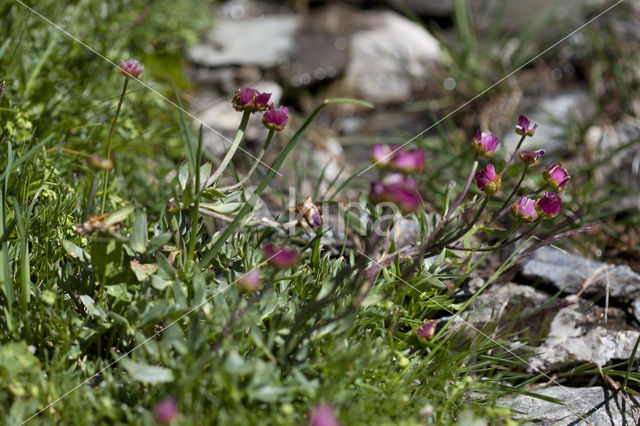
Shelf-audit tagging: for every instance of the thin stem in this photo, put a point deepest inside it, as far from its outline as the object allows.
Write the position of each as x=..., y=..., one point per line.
x=267, y=142
x=91, y=197
x=494, y=247
x=469, y=226
x=498, y=243
x=513, y=156
x=232, y=150
x=504, y=205
x=196, y=205
x=111, y=131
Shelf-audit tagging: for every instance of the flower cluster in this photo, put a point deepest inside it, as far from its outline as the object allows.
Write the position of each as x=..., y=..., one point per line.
x=130, y=68
x=251, y=100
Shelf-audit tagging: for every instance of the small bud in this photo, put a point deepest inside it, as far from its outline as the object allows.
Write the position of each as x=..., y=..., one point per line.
x=427, y=330
x=557, y=177
x=250, y=281
x=531, y=158
x=484, y=144
x=311, y=212
x=251, y=100
x=130, y=68
x=96, y=162
x=281, y=257
x=549, y=206
x=323, y=415
x=166, y=411
x=524, y=127
x=275, y=119
x=381, y=155
x=397, y=189
x=488, y=180
x=525, y=209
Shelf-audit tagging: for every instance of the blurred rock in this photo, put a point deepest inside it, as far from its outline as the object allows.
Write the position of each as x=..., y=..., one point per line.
x=596, y=405
x=263, y=42
x=389, y=58
x=579, y=332
x=570, y=272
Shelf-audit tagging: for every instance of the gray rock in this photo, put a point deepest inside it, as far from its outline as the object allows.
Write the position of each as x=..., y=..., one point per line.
x=570, y=272
x=390, y=58
x=579, y=332
x=597, y=405
x=263, y=42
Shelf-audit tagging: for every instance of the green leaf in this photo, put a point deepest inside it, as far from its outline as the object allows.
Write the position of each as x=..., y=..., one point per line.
x=146, y=373
x=183, y=175
x=119, y=215
x=139, y=237
x=75, y=251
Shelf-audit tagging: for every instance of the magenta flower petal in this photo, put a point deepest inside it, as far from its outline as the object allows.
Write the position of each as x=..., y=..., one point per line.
x=531, y=158
x=280, y=256
x=323, y=415
x=408, y=161
x=557, y=177
x=381, y=155
x=427, y=330
x=488, y=180
x=249, y=99
x=310, y=211
x=397, y=189
x=275, y=118
x=549, y=206
x=166, y=411
x=524, y=127
x=130, y=68
x=525, y=209
x=250, y=281
x=484, y=144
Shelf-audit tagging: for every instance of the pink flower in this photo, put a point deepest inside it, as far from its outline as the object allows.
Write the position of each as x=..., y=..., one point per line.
x=280, y=256
x=250, y=281
x=484, y=144
x=251, y=100
x=488, y=180
x=557, y=177
x=398, y=159
x=166, y=411
x=427, y=330
x=130, y=68
x=549, y=206
x=531, y=158
x=525, y=209
x=275, y=119
x=524, y=127
x=397, y=189
x=323, y=415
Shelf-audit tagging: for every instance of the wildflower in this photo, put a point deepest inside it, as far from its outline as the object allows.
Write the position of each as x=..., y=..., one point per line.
x=549, y=206
x=323, y=415
x=398, y=159
x=557, y=177
x=166, y=411
x=397, y=189
x=488, y=180
x=251, y=100
x=275, y=119
x=427, y=330
x=280, y=257
x=96, y=162
x=250, y=281
x=524, y=127
x=531, y=158
x=484, y=144
x=311, y=212
x=525, y=209
x=130, y=68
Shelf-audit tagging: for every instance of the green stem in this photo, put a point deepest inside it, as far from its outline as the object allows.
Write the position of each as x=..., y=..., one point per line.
x=497, y=244
x=513, y=156
x=91, y=197
x=513, y=192
x=196, y=205
x=111, y=131
x=232, y=150
x=469, y=226
x=267, y=142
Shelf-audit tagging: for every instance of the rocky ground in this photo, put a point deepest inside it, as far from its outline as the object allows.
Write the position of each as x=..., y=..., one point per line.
x=571, y=309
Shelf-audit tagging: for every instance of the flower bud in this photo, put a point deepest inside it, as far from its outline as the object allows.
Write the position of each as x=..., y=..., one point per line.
x=130, y=68
x=397, y=189
x=557, y=177
x=524, y=128
x=310, y=212
x=280, y=256
x=275, y=119
x=488, y=180
x=323, y=415
x=427, y=330
x=484, y=144
x=96, y=162
x=251, y=100
x=531, y=158
x=549, y=206
x=250, y=281
x=525, y=209
x=381, y=155
x=166, y=411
